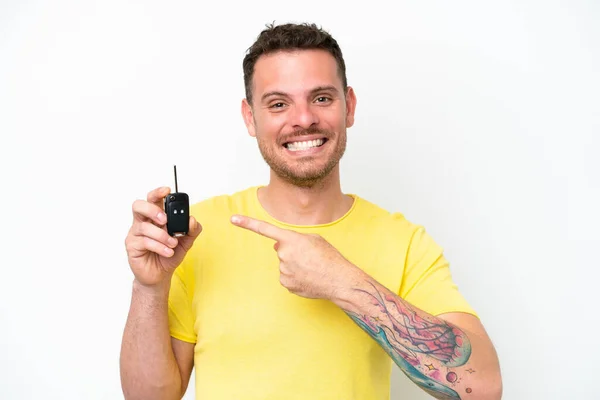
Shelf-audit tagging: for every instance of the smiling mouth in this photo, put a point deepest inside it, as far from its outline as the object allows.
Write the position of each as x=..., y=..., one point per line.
x=304, y=145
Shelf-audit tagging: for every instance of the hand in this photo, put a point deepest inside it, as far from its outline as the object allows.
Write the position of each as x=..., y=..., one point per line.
x=152, y=253
x=309, y=266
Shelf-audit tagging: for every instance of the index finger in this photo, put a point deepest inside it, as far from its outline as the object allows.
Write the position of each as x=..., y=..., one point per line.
x=261, y=227
x=157, y=195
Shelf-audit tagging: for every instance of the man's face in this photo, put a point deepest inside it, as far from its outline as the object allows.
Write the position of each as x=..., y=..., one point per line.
x=299, y=114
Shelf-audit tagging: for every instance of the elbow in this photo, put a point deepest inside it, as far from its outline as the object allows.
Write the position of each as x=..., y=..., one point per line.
x=151, y=391
x=491, y=388
x=495, y=390
x=496, y=385
x=137, y=384
x=499, y=388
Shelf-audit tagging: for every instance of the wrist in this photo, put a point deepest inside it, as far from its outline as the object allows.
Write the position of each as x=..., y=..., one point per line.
x=158, y=290
x=345, y=291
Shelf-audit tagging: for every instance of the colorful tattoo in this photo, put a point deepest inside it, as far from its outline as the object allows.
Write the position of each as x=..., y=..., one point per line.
x=424, y=347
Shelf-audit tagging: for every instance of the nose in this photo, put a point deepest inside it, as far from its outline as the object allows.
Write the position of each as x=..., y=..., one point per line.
x=303, y=116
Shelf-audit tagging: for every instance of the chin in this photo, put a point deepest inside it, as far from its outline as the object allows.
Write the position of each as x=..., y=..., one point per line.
x=303, y=177
x=302, y=169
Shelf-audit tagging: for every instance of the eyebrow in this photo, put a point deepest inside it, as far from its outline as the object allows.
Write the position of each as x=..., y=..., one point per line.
x=313, y=91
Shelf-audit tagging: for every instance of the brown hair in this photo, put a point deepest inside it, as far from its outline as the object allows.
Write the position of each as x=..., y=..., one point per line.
x=291, y=37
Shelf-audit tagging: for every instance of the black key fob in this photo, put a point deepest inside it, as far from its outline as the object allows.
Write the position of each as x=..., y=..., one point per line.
x=177, y=208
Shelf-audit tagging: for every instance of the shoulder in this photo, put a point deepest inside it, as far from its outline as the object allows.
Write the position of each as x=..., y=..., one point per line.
x=392, y=229
x=386, y=221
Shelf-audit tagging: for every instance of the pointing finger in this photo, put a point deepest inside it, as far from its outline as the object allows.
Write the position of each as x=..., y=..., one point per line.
x=261, y=227
x=156, y=196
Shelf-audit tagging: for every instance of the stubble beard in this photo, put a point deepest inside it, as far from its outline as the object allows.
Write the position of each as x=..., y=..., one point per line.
x=304, y=173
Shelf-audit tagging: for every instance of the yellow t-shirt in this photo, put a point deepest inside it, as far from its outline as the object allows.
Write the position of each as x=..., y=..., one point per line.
x=254, y=340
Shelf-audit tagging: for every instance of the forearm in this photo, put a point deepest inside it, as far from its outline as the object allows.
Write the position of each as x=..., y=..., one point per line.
x=444, y=360
x=148, y=366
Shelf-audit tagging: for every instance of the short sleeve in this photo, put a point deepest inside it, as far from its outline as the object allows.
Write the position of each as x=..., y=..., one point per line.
x=181, y=316
x=427, y=282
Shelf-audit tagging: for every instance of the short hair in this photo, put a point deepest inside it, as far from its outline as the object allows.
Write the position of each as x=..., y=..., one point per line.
x=290, y=37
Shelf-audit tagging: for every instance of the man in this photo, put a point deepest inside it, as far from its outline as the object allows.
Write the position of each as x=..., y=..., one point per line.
x=295, y=290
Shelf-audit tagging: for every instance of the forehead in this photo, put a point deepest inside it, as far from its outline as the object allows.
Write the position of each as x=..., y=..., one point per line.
x=295, y=71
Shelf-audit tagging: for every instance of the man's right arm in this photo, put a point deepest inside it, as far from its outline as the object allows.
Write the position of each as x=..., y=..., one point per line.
x=153, y=364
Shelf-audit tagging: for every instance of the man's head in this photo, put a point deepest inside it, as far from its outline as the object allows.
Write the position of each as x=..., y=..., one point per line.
x=298, y=104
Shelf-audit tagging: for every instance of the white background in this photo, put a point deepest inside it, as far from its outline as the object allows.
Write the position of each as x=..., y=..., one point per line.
x=479, y=120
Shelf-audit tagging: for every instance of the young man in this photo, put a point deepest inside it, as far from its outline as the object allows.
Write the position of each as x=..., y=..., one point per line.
x=295, y=290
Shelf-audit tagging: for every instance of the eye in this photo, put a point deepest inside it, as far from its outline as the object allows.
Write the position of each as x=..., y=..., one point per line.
x=322, y=99
x=277, y=105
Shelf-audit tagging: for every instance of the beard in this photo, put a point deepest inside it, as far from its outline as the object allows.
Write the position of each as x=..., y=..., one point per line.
x=306, y=171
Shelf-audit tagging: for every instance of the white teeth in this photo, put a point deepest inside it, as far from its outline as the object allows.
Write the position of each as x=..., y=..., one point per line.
x=297, y=146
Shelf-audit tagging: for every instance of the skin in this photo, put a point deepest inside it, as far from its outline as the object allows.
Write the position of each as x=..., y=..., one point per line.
x=298, y=96
x=312, y=194
x=152, y=364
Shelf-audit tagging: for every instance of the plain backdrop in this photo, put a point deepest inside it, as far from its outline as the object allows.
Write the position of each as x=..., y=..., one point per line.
x=479, y=120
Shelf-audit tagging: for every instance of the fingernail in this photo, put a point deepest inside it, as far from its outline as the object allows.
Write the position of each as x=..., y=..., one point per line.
x=235, y=219
x=172, y=241
x=161, y=216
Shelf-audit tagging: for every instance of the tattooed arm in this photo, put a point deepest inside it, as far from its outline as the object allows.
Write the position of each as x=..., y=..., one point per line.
x=450, y=356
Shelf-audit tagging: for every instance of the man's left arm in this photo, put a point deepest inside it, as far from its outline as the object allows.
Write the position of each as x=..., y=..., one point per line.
x=449, y=356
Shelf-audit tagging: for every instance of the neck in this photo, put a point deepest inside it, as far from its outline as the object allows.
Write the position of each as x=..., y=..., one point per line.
x=320, y=203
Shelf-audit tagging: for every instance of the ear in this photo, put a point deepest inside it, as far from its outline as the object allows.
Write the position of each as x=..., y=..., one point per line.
x=350, y=106
x=248, y=118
